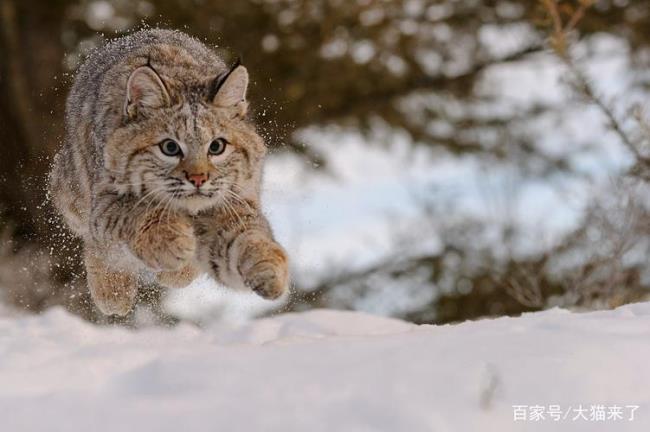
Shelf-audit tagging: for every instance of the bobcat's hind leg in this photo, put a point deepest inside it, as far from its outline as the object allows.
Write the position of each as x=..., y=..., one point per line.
x=178, y=278
x=113, y=291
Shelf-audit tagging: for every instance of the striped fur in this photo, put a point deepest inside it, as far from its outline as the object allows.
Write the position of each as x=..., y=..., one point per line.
x=136, y=208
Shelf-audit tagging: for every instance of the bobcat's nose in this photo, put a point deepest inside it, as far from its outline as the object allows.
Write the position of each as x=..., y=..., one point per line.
x=197, y=179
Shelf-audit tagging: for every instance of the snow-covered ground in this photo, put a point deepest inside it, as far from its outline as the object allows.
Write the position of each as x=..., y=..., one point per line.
x=329, y=371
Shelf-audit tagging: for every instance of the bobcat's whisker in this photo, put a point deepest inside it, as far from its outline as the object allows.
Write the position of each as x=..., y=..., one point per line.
x=233, y=195
x=232, y=213
x=168, y=208
x=236, y=213
x=153, y=192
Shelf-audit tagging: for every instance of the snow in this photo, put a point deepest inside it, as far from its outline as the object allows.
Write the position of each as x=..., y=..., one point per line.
x=323, y=370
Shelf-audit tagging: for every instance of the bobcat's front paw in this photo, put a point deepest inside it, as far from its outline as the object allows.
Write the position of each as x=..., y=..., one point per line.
x=265, y=271
x=164, y=243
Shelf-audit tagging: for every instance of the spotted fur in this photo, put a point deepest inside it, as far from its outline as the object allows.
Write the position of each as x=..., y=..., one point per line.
x=141, y=211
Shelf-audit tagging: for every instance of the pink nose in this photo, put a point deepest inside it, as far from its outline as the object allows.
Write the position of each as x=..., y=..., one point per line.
x=197, y=179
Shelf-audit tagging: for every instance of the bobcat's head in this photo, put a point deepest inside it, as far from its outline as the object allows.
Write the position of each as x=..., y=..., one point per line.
x=185, y=145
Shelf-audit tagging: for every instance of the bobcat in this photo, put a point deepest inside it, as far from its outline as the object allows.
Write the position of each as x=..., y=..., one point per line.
x=160, y=171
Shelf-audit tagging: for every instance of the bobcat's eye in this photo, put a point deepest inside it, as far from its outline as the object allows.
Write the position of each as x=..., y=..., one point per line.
x=169, y=147
x=217, y=146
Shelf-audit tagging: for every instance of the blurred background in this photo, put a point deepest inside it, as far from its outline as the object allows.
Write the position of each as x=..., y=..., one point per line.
x=434, y=161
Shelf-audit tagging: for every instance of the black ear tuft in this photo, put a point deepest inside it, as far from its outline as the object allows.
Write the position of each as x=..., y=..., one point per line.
x=216, y=84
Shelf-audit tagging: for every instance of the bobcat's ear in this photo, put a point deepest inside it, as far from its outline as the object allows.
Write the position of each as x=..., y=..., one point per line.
x=144, y=90
x=229, y=90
